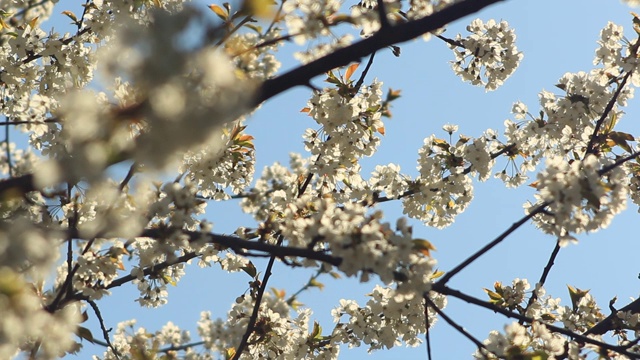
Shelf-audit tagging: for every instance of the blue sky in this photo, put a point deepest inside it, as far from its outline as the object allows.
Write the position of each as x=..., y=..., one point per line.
x=555, y=37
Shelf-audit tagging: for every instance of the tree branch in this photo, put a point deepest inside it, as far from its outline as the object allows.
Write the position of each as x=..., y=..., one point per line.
x=385, y=37
x=455, y=325
x=592, y=141
x=442, y=289
x=543, y=277
x=490, y=245
x=609, y=323
x=234, y=242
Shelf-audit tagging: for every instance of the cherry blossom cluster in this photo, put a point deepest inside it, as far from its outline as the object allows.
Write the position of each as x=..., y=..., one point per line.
x=128, y=341
x=519, y=341
x=580, y=198
x=488, y=56
x=214, y=170
x=444, y=188
x=289, y=336
x=388, y=319
x=536, y=339
x=276, y=187
x=199, y=94
x=24, y=320
x=365, y=245
x=567, y=122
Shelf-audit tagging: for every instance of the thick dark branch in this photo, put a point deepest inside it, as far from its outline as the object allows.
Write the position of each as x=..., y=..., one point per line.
x=16, y=186
x=153, y=269
x=234, y=242
x=611, y=321
x=618, y=162
x=385, y=37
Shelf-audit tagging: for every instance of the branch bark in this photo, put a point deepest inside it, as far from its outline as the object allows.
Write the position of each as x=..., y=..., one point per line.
x=385, y=37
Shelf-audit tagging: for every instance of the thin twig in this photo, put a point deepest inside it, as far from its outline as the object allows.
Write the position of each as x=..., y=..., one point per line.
x=543, y=277
x=8, y=150
x=455, y=325
x=618, y=162
x=364, y=73
x=427, y=335
x=28, y=122
x=105, y=332
x=592, y=141
x=309, y=284
x=489, y=246
x=129, y=176
x=450, y=41
x=256, y=308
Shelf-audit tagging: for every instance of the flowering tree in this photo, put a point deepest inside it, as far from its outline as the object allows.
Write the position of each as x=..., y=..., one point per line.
x=171, y=109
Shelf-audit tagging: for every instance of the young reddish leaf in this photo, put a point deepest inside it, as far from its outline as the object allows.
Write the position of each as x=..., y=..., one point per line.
x=305, y=110
x=576, y=295
x=611, y=124
x=423, y=246
x=494, y=296
x=381, y=130
x=620, y=139
x=245, y=138
x=219, y=11
x=280, y=294
x=260, y=8
x=255, y=28
x=33, y=22
x=393, y=94
x=350, y=70
x=84, y=316
x=71, y=15
x=636, y=22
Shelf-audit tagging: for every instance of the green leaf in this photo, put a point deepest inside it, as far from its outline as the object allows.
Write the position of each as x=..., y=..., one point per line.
x=576, y=295
x=316, y=283
x=494, y=296
x=255, y=28
x=317, y=330
x=611, y=124
x=250, y=269
x=85, y=333
x=169, y=280
x=620, y=138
